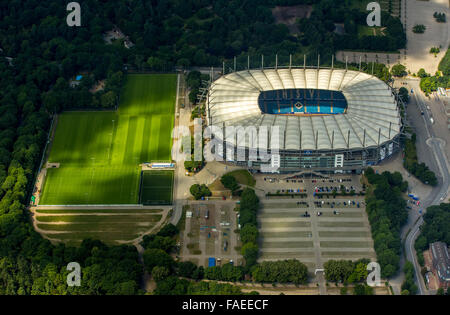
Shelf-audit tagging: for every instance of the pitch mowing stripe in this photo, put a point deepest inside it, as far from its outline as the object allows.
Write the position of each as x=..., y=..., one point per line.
x=146, y=140
x=121, y=140
x=165, y=143
x=132, y=124
x=137, y=147
x=154, y=138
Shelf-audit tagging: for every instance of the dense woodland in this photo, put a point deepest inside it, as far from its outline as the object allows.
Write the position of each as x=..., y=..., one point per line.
x=44, y=55
x=386, y=210
x=411, y=163
x=349, y=272
x=435, y=228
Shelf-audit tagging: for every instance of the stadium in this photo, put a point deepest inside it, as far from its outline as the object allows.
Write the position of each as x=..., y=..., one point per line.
x=330, y=120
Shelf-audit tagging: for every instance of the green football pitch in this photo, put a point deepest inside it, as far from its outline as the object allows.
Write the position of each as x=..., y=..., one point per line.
x=100, y=152
x=156, y=187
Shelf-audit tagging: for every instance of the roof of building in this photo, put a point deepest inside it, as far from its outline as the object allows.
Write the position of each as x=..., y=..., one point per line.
x=441, y=260
x=233, y=101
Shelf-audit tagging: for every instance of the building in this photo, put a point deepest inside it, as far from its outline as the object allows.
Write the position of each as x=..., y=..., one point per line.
x=328, y=120
x=441, y=263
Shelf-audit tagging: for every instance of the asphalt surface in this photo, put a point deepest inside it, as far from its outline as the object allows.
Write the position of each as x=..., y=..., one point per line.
x=431, y=150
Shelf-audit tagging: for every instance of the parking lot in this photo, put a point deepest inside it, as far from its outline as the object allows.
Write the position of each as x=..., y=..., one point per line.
x=210, y=232
x=315, y=228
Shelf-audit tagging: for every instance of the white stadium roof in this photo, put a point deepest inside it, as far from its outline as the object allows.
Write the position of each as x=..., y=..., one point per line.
x=233, y=101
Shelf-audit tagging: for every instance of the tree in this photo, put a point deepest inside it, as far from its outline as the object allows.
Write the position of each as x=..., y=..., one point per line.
x=419, y=28
x=155, y=63
x=249, y=200
x=186, y=269
x=108, y=99
x=250, y=253
x=359, y=273
x=409, y=284
x=165, y=243
x=229, y=182
x=362, y=289
x=422, y=73
x=191, y=166
x=282, y=271
x=403, y=94
x=168, y=230
x=399, y=70
x=199, y=191
x=157, y=257
x=249, y=234
x=160, y=273
x=338, y=270
x=435, y=50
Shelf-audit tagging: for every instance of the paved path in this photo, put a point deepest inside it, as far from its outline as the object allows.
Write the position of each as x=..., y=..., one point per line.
x=182, y=183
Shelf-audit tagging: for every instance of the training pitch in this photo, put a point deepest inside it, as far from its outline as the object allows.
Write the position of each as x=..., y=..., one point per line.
x=100, y=152
x=156, y=187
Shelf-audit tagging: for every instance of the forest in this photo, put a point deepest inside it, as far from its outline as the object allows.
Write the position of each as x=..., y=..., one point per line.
x=435, y=228
x=386, y=210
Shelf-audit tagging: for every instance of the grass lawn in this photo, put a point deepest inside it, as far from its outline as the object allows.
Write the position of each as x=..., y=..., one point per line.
x=100, y=152
x=91, y=185
x=108, y=228
x=243, y=177
x=364, y=30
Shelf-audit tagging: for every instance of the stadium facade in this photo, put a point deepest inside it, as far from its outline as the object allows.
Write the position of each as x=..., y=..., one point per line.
x=329, y=120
